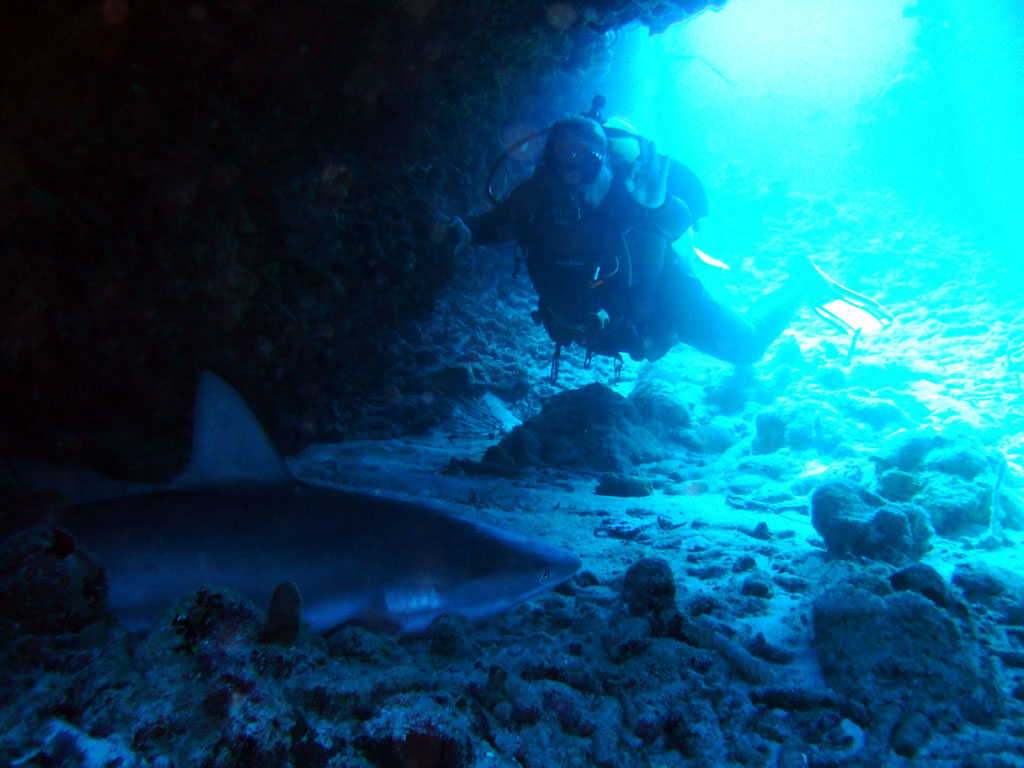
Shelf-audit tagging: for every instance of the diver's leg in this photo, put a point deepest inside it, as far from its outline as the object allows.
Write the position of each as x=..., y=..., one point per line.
x=740, y=338
x=698, y=320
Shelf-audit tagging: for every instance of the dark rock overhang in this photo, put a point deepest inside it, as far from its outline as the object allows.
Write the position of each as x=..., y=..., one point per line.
x=247, y=186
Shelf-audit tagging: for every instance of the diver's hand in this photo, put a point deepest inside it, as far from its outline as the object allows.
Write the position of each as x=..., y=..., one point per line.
x=458, y=234
x=647, y=181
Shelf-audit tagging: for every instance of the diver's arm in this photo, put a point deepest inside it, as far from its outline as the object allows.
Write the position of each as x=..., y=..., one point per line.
x=504, y=223
x=672, y=218
x=494, y=226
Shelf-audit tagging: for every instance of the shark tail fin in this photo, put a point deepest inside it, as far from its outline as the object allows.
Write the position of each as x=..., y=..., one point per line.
x=229, y=447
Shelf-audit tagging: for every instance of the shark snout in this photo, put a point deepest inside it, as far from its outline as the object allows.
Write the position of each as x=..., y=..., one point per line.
x=566, y=567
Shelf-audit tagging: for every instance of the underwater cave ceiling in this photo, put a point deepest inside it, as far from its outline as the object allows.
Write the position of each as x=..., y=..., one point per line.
x=247, y=186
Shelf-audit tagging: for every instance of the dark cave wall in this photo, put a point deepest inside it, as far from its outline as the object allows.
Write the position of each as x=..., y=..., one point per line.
x=250, y=187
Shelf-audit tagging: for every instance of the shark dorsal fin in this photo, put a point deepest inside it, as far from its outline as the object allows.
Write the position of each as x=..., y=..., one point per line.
x=229, y=447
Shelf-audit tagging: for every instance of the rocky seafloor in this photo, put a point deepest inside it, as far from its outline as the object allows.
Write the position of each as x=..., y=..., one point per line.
x=815, y=561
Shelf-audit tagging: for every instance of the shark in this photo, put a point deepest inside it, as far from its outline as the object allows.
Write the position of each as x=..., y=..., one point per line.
x=237, y=518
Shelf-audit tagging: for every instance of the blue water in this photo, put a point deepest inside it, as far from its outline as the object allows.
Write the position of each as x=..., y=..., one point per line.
x=827, y=97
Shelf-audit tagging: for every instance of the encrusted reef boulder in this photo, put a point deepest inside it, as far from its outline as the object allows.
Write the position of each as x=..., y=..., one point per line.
x=996, y=590
x=952, y=478
x=962, y=459
x=906, y=450
x=924, y=580
x=48, y=585
x=649, y=588
x=211, y=616
x=871, y=641
x=417, y=730
x=771, y=433
x=854, y=521
x=953, y=503
x=898, y=485
x=648, y=609
x=661, y=411
x=591, y=427
x=875, y=412
x=625, y=486
x=814, y=425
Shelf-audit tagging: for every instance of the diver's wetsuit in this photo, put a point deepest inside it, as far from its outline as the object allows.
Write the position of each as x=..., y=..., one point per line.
x=618, y=257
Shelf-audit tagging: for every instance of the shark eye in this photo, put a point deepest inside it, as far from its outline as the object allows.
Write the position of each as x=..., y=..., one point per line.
x=545, y=575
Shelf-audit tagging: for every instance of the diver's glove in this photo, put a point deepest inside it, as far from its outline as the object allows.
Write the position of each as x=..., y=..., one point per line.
x=647, y=181
x=590, y=326
x=458, y=235
x=597, y=321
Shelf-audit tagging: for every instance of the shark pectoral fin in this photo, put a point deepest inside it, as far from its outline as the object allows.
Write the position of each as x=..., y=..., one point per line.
x=229, y=447
x=326, y=615
x=412, y=609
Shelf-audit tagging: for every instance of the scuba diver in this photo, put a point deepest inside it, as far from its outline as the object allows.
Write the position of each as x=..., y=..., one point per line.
x=596, y=223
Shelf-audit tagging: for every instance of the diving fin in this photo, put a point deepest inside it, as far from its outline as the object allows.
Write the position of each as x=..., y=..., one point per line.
x=854, y=315
x=849, y=311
